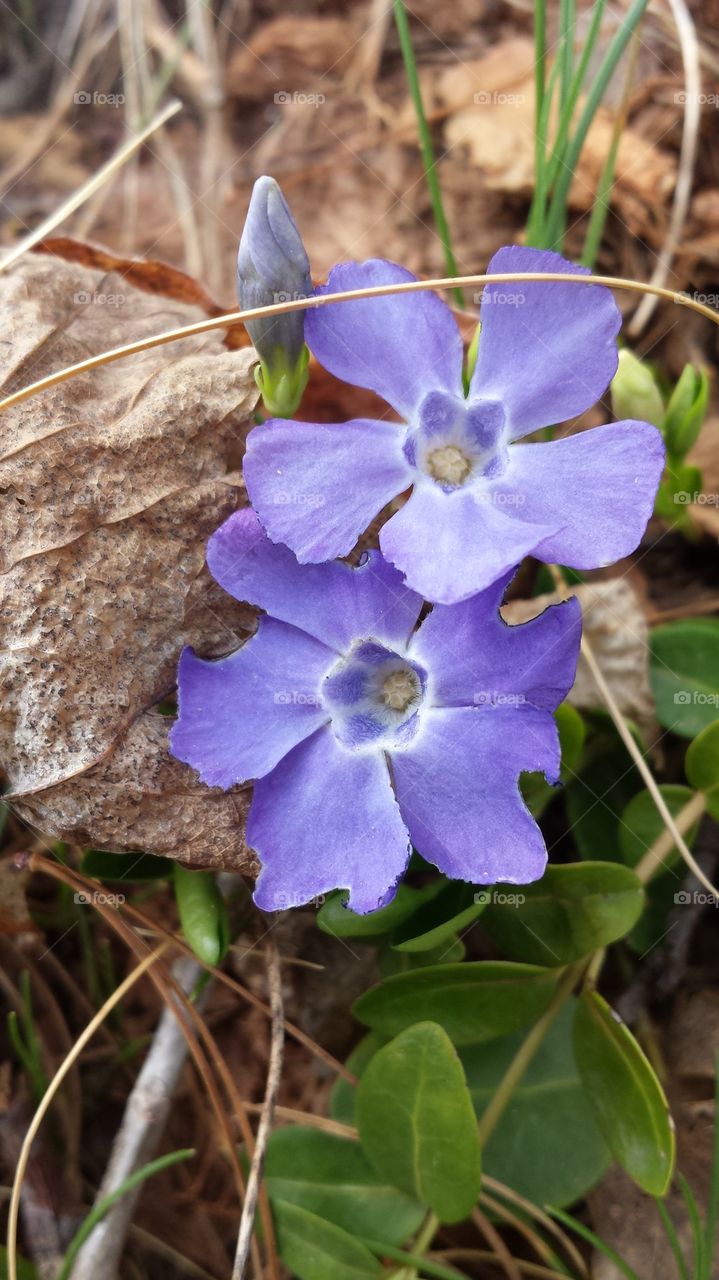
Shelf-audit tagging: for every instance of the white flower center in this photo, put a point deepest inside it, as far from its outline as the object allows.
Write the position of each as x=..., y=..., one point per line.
x=449, y=464
x=400, y=689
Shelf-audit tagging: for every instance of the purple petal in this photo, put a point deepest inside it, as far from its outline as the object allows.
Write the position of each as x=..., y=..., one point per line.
x=552, y=352
x=332, y=602
x=477, y=659
x=400, y=346
x=325, y=819
x=239, y=716
x=457, y=787
x=317, y=486
x=598, y=487
x=451, y=545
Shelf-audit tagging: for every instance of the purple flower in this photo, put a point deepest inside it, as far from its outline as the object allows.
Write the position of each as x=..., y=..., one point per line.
x=479, y=501
x=364, y=733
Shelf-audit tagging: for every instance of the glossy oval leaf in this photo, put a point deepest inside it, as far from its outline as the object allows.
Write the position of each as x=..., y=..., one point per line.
x=628, y=1100
x=437, y=922
x=472, y=1001
x=684, y=674
x=344, y=1094
x=331, y=1176
x=336, y=919
x=416, y=1121
x=701, y=766
x=547, y=1145
x=597, y=797
x=642, y=824
x=572, y=911
x=451, y=951
x=314, y=1249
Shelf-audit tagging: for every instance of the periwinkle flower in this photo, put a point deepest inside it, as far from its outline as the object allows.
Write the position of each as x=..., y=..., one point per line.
x=480, y=501
x=365, y=733
x=272, y=266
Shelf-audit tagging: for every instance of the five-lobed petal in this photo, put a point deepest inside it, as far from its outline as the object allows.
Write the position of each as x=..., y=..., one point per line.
x=482, y=501
x=363, y=733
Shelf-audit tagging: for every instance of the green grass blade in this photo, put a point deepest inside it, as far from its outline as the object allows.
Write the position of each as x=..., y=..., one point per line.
x=671, y=1234
x=696, y=1225
x=425, y=142
x=618, y=44
x=103, y=1206
x=594, y=1240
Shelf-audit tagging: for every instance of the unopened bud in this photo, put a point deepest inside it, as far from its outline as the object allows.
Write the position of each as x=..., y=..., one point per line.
x=272, y=267
x=635, y=393
x=686, y=411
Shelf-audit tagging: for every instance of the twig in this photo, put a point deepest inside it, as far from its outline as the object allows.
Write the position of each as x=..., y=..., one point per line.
x=65, y=1066
x=143, y=1123
x=496, y=1243
x=687, y=159
x=350, y=295
x=624, y=733
x=274, y=1070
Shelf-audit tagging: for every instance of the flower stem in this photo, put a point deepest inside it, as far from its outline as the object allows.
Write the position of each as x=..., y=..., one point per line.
x=521, y=1060
x=425, y=142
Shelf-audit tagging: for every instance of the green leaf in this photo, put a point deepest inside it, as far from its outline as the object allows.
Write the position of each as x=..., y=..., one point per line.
x=129, y=867
x=546, y=1145
x=416, y=1122
x=686, y=411
x=334, y=918
x=684, y=674
x=314, y=1249
x=471, y=1001
x=331, y=1176
x=596, y=799
x=628, y=1100
x=451, y=951
x=642, y=824
x=344, y=1094
x=203, y=914
x=572, y=911
x=436, y=923
x=701, y=766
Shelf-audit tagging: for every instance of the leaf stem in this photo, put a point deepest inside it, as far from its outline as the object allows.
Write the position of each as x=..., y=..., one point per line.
x=524, y=1055
x=425, y=142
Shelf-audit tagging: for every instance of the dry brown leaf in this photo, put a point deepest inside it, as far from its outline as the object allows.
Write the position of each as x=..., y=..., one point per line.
x=110, y=484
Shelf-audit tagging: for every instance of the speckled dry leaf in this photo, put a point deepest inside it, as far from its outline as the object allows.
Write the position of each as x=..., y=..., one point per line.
x=110, y=485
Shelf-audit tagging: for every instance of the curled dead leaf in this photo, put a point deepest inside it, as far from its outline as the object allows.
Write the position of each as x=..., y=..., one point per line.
x=110, y=485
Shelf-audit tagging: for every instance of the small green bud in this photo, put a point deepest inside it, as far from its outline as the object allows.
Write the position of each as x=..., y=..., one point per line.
x=686, y=411
x=634, y=391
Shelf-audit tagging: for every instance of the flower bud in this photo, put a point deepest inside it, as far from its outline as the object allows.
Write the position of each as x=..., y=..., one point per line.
x=686, y=411
x=635, y=393
x=272, y=266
